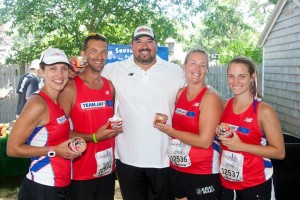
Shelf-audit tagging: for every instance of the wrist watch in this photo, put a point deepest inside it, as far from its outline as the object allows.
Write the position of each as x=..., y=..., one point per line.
x=51, y=152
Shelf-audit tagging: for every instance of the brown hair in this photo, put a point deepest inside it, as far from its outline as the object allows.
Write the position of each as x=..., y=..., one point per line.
x=93, y=36
x=252, y=69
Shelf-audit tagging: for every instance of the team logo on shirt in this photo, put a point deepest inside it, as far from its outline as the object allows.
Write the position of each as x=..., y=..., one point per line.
x=61, y=119
x=187, y=113
x=95, y=104
x=242, y=130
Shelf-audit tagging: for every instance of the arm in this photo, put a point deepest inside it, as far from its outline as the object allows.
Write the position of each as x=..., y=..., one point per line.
x=67, y=100
x=270, y=124
x=101, y=134
x=211, y=110
x=35, y=113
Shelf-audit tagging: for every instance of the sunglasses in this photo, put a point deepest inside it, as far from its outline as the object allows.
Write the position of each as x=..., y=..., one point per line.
x=94, y=34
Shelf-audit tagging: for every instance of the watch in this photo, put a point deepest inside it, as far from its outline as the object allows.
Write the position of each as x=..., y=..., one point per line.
x=51, y=152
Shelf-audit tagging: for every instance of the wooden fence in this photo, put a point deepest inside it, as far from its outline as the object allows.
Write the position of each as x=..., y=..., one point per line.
x=9, y=74
x=216, y=77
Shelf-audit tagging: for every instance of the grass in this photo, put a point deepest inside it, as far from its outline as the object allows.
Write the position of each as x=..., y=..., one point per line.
x=9, y=187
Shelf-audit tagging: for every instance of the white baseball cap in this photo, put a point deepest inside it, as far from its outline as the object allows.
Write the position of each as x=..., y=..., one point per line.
x=143, y=31
x=54, y=55
x=35, y=64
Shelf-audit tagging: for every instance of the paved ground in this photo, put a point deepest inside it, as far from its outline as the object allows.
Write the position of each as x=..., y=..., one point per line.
x=118, y=192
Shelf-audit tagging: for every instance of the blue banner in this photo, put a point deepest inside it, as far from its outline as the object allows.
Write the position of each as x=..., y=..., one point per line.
x=121, y=52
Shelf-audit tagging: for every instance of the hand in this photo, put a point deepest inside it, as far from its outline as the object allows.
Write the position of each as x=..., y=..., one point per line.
x=164, y=128
x=64, y=151
x=234, y=143
x=75, y=70
x=103, y=133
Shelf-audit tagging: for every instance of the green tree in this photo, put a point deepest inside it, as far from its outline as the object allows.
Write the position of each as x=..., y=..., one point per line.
x=38, y=24
x=229, y=29
x=242, y=45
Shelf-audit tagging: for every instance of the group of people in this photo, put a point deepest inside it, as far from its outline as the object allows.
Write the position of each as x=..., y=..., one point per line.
x=182, y=159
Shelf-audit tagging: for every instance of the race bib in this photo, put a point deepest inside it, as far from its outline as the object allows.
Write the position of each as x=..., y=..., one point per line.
x=104, y=162
x=179, y=153
x=231, y=167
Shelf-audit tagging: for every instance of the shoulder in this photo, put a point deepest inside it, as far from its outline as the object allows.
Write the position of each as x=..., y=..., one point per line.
x=118, y=63
x=165, y=63
x=211, y=95
x=35, y=111
x=267, y=117
x=36, y=104
x=224, y=103
x=265, y=109
x=31, y=76
x=180, y=92
x=69, y=90
x=113, y=68
x=34, y=79
x=106, y=81
x=70, y=85
x=171, y=70
x=212, y=91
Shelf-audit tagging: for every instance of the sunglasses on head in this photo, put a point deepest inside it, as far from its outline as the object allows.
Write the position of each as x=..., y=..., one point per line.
x=94, y=34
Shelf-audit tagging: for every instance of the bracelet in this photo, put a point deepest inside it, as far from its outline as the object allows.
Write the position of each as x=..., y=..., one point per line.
x=94, y=138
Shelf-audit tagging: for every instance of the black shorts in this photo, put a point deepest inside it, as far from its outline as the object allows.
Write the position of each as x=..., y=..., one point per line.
x=143, y=183
x=264, y=191
x=102, y=188
x=195, y=186
x=30, y=190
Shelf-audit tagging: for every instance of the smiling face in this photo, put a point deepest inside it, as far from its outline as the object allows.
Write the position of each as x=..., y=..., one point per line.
x=96, y=54
x=239, y=79
x=144, y=50
x=55, y=76
x=196, y=67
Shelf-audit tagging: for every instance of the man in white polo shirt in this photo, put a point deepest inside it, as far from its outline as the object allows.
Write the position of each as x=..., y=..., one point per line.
x=145, y=84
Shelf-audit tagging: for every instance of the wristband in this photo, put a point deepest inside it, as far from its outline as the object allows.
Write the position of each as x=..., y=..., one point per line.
x=51, y=152
x=94, y=138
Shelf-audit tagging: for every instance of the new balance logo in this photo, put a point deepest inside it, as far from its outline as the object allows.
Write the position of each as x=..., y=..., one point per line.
x=196, y=104
x=249, y=120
